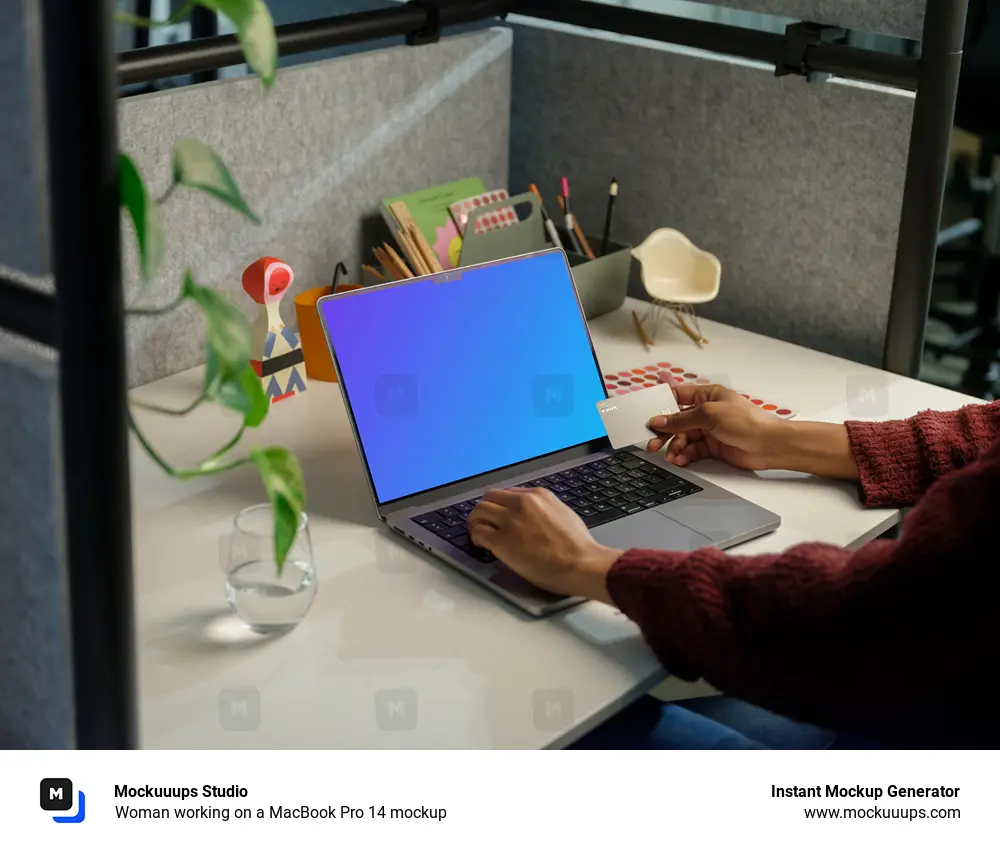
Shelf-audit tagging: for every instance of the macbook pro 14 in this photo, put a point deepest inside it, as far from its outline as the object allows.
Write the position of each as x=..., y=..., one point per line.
x=485, y=377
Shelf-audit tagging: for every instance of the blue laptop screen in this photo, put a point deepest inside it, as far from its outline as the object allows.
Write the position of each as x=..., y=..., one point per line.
x=448, y=380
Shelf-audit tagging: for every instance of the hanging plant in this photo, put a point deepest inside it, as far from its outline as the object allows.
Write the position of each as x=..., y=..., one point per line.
x=230, y=380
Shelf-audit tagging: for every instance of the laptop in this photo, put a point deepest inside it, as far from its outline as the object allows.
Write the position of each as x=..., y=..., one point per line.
x=486, y=377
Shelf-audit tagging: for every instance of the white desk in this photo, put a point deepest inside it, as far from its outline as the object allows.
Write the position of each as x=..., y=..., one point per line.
x=398, y=650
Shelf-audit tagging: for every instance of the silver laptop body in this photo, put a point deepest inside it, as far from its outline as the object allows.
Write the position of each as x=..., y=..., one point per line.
x=680, y=512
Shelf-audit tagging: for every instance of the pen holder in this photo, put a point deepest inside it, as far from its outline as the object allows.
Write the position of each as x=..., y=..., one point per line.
x=601, y=284
x=525, y=237
x=319, y=366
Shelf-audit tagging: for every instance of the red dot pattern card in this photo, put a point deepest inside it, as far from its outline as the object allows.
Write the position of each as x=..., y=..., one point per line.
x=631, y=380
x=503, y=217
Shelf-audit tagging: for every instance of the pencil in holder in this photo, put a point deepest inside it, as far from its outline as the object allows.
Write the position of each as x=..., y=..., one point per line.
x=601, y=284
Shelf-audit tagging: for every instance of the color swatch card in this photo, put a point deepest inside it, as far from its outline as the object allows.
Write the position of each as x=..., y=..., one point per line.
x=464, y=209
x=430, y=210
x=625, y=417
x=632, y=380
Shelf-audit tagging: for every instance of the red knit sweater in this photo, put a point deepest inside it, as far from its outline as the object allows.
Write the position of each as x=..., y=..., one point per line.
x=895, y=638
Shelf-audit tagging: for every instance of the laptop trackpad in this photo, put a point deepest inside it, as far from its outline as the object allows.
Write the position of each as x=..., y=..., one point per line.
x=650, y=530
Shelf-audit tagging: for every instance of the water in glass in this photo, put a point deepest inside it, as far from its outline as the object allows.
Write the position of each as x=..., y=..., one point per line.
x=269, y=602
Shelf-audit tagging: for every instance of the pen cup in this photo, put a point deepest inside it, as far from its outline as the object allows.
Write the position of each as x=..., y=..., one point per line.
x=319, y=366
x=602, y=284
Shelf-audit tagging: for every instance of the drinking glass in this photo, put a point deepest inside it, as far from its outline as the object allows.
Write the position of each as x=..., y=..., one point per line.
x=268, y=602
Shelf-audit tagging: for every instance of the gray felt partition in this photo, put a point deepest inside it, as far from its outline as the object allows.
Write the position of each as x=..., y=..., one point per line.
x=886, y=17
x=23, y=212
x=35, y=683
x=796, y=187
x=313, y=157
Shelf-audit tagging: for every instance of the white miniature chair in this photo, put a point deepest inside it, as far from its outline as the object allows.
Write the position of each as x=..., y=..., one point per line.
x=677, y=275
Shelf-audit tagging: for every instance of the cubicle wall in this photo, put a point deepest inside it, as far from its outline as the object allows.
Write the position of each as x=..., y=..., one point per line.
x=35, y=683
x=795, y=186
x=886, y=17
x=23, y=212
x=313, y=157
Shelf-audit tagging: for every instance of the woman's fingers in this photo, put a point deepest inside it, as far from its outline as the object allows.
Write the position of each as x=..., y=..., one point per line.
x=689, y=452
x=506, y=498
x=491, y=513
x=483, y=534
x=656, y=444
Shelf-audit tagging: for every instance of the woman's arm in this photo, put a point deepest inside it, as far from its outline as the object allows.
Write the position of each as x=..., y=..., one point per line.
x=894, y=462
x=899, y=460
x=818, y=448
x=850, y=640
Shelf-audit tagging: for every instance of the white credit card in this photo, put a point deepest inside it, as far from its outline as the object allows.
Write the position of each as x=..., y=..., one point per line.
x=625, y=416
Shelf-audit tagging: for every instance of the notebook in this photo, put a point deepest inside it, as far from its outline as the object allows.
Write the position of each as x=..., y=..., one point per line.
x=430, y=210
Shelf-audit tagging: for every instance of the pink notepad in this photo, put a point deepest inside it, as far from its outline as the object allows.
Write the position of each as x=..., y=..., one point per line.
x=503, y=217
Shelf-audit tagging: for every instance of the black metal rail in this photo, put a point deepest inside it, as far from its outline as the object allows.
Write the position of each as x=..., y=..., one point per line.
x=923, y=189
x=81, y=113
x=27, y=312
x=771, y=48
x=208, y=54
x=189, y=57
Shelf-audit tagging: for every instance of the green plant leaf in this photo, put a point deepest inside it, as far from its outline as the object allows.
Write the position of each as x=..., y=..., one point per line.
x=199, y=167
x=282, y=476
x=237, y=388
x=229, y=377
x=226, y=329
x=144, y=214
x=255, y=31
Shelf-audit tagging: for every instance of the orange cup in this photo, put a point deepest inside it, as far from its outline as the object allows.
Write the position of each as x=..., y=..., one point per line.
x=319, y=366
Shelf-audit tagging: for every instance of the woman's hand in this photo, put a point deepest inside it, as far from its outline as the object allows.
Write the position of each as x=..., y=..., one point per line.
x=543, y=541
x=714, y=422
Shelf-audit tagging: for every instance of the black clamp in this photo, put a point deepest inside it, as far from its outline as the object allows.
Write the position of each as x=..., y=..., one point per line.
x=800, y=38
x=430, y=33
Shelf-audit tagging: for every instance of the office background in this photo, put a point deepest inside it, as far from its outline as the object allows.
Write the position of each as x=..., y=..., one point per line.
x=796, y=186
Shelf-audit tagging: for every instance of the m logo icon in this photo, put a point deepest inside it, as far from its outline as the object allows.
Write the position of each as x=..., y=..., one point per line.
x=867, y=396
x=396, y=709
x=553, y=709
x=553, y=395
x=239, y=710
x=396, y=395
x=56, y=795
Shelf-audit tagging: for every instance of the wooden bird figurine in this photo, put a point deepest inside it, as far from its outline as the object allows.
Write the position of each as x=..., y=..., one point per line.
x=276, y=350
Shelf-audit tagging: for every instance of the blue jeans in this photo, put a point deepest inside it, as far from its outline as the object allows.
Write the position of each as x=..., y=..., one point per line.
x=707, y=723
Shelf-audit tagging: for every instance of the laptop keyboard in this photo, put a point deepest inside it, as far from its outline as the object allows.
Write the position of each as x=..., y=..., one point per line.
x=600, y=491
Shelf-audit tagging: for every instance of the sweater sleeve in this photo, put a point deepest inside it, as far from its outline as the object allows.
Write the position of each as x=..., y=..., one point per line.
x=848, y=640
x=899, y=460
